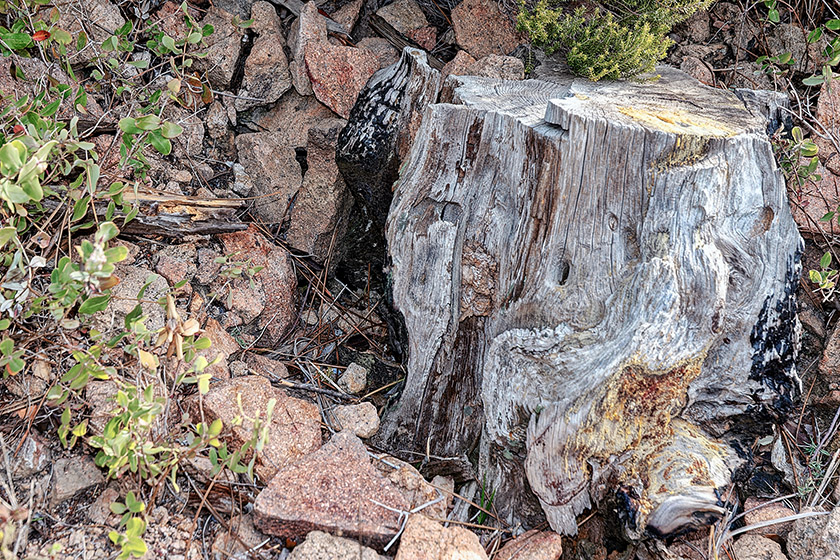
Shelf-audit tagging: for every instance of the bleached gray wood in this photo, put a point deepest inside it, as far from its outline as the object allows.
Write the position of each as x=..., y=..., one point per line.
x=598, y=283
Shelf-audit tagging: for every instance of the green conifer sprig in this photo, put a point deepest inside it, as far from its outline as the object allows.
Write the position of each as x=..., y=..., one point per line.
x=617, y=39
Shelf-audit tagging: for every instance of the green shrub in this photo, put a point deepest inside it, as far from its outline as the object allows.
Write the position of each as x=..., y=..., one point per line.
x=615, y=40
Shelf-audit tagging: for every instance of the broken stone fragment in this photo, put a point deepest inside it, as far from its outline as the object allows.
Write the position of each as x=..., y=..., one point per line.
x=276, y=279
x=176, y=262
x=235, y=543
x=815, y=537
x=334, y=73
x=73, y=475
x=361, y=419
x=274, y=170
x=499, y=67
x=828, y=115
x=533, y=545
x=385, y=52
x=354, y=379
x=124, y=299
x=323, y=546
x=424, y=539
x=295, y=429
x=433, y=498
x=223, y=49
x=336, y=490
x=322, y=207
x=267, y=74
x=756, y=547
x=33, y=457
x=406, y=17
x=261, y=365
x=481, y=28
x=97, y=20
x=291, y=118
x=767, y=512
x=348, y=14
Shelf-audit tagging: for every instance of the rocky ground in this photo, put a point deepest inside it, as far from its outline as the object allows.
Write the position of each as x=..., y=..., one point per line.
x=297, y=321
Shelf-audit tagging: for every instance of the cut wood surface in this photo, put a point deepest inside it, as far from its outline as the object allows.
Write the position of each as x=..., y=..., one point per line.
x=598, y=283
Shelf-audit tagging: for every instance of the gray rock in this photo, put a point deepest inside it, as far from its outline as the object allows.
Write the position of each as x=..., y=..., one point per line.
x=273, y=168
x=348, y=14
x=223, y=49
x=361, y=419
x=191, y=141
x=322, y=207
x=242, y=183
x=267, y=75
x=815, y=537
x=33, y=457
x=323, y=546
x=217, y=123
x=354, y=379
x=133, y=278
x=266, y=20
x=404, y=15
x=73, y=475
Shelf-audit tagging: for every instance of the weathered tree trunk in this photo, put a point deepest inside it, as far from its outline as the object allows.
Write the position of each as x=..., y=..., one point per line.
x=598, y=286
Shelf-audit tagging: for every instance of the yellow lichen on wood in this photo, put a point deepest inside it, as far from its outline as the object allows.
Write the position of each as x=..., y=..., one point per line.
x=638, y=403
x=679, y=122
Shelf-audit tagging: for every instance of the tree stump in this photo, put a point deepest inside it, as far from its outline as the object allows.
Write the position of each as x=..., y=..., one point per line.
x=598, y=283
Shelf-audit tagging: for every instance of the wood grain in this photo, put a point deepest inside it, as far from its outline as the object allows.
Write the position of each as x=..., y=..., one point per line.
x=598, y=282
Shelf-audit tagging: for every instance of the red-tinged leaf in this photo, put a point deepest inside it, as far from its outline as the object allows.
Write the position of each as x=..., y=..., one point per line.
x=41, y=35
x=18, y=129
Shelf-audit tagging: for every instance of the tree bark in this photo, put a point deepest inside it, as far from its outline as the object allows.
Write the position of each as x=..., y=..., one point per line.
x=598, y=283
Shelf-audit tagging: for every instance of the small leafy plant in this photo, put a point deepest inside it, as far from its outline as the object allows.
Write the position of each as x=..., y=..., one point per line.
x=130, y=540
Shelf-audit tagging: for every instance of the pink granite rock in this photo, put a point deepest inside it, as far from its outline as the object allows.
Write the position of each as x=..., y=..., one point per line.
x=498, y=67
x=481, y=28
x=335, y=73
x=295, y=424
x=458, y=66
x=291, y=118
x=828, y=115
x=277, y=279
x=331, y=490
x=533, y=545
x=223, y=48
x=424, y=539
x=385, y=52
x=274, y=170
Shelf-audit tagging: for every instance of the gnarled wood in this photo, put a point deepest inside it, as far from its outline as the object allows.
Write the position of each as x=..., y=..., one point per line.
x=598, y=286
